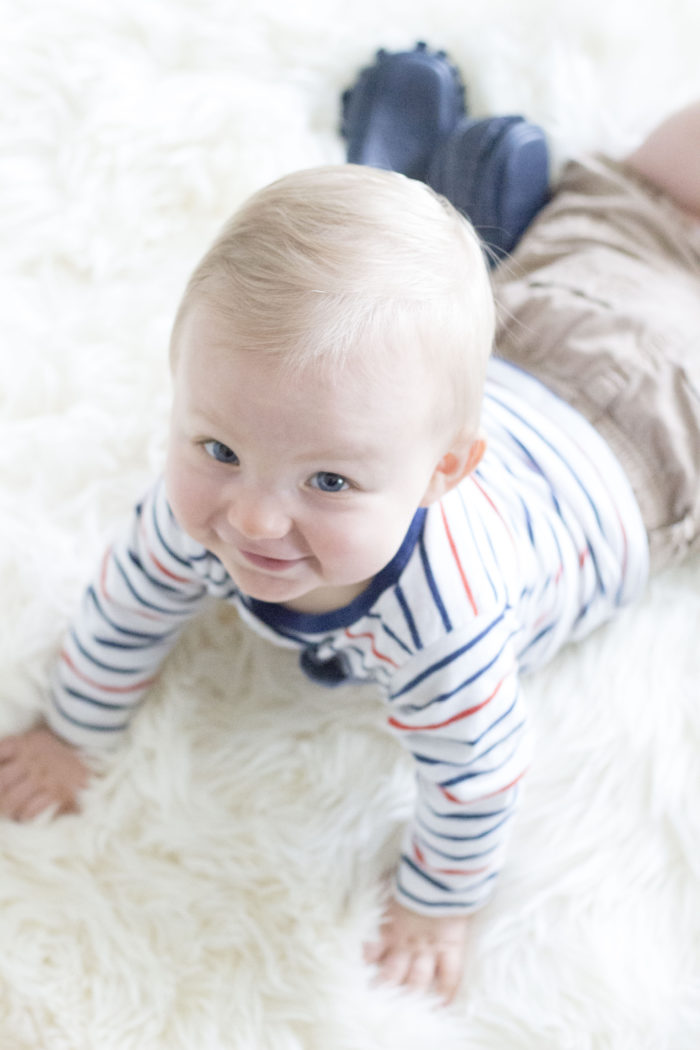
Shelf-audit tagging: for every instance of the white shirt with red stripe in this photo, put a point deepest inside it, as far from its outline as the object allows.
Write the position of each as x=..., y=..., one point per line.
x=537, y=547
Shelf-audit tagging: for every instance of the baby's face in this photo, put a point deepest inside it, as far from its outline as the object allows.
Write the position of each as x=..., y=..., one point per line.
x=303, y=487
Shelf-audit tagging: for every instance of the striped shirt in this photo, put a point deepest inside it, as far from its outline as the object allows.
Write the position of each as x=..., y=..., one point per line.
x=542, y=543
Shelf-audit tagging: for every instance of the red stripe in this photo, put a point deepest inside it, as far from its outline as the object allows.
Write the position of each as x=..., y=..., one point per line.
x=481, y=798
x=624, y=542
x=418, y=854
x=105, y=592
x=448, y=721
x=106, y=688
x=453, y=548
x=158, y=564
x=493, y=506
x=166, y=572
x=458, y=871
x=375, y=651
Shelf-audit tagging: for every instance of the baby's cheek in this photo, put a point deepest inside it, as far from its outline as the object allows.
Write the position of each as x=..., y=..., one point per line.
x=362, y=549
x=186, y=496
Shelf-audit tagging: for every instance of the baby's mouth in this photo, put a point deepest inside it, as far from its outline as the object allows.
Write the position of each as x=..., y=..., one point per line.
x=262, y=561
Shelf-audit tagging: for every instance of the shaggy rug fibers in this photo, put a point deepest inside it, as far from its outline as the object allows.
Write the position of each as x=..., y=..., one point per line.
x=216, y=890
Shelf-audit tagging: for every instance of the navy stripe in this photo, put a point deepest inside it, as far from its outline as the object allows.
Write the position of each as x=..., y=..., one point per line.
x=424, y=875
x=458, y=858
x=538, y=638
x=480, y=773
x=174, y=590
x=545, y=441
x=408, y=616
x=178, y=558
x=205, y=555
x=442, y=697
x=469, y=838
x=428, y=761
x=145, y=636
x=432, y=585
x=470, y=816
x=460, y=905
x=446, y=660
x=103, y=704
x=393, y=635
x=435, y=882
x=98, y=663
x=498, y=743
x=465, y=743
x=142, y=601
x=90, y=726
x=528, y=521
x=136, y=647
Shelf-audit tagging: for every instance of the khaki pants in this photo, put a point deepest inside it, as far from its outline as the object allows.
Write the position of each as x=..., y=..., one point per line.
x=601, y=301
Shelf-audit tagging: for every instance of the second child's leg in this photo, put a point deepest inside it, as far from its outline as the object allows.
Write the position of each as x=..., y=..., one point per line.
x=601, y=301
x=670, y=158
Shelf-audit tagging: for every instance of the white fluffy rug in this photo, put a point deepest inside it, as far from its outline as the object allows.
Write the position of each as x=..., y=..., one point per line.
x=215, y=893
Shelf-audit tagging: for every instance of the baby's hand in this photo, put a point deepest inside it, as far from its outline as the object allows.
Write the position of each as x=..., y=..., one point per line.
x=424, y=953
x=38, y=770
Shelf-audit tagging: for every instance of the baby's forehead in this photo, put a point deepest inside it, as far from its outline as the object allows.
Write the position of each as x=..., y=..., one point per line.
x=253, y=400
x=372, y=370
x=305, y=346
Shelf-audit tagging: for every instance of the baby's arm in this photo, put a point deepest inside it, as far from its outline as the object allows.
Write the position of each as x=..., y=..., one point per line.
x=144, y=592
x=423, y=952
x=39, y=770
x=459, y=711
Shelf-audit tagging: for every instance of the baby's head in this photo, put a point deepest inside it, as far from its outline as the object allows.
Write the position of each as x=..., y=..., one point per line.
x=329, y=358
x=348, y=267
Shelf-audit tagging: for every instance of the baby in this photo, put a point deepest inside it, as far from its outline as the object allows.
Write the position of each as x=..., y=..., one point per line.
x=350, y=469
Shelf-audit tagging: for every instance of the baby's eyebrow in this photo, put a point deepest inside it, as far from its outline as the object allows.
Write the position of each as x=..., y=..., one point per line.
x=209, y=419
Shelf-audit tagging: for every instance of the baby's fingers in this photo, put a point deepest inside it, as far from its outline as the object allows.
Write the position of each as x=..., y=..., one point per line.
x=421, y=971
x=16, y=795
x=448, y=972
x=395, y=967
x=373, y=951
x=34, y=805
x=11, y=774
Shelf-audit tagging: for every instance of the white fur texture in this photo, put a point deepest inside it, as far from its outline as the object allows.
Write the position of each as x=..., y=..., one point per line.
x=215, y=893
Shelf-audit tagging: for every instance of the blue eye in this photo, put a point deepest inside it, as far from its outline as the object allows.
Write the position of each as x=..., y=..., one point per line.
x=326, y=481
x=220, y=452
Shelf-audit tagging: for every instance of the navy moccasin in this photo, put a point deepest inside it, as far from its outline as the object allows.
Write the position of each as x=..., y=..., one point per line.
x=495, y=171
x=401, y=109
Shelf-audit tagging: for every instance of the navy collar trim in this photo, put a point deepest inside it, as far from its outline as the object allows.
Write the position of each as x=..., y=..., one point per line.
x=282, y=619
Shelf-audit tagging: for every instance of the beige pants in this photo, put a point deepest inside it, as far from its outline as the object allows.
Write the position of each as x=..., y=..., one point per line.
x=601, y=301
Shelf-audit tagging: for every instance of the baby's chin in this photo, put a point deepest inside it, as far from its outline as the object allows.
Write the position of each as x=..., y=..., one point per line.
x=268, y=587
x=300, y=588
x=327, y=599
x=312, y=599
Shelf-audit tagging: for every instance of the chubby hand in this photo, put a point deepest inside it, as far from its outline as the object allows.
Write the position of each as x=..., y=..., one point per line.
x=38, y=770
x=423, y=952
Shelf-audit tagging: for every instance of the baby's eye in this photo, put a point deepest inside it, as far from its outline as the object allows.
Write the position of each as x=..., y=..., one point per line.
x=326, y=481
x=220, y=452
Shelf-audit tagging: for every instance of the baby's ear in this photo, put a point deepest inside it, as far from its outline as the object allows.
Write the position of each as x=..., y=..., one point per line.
x=464, y=456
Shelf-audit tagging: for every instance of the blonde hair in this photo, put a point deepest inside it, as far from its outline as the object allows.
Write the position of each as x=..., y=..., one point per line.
x=327, y=262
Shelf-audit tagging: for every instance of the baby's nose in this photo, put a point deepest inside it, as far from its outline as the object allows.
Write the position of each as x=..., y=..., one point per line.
x=258, y=516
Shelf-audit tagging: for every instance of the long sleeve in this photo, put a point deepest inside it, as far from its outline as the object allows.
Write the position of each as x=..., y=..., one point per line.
x=147, y=588
x=460, y=712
